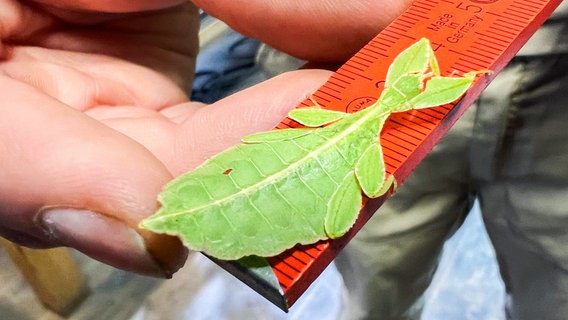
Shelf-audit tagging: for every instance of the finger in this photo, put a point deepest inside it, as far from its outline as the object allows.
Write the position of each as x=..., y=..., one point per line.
x=86, y=80
x=164, y=41
x=112, y=6
x=216, y=127
x=68, y=180
x=19, y=22
x=322, y=30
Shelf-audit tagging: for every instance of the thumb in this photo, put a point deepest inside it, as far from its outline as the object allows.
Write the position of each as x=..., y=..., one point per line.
x=221, y=125
x=68, y=180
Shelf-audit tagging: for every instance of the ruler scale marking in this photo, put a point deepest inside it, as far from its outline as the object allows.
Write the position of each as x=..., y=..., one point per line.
x=491, y=36
x=464, y=69
x=391, y=138
x=423, y=117
x=520, y=12
x=355, y=73
x=378, y=54
x=479, y=53
x=328, y=94
x=507, y=26
x=343, y=72
x=401, y=142
x=411, y=132
x=369, y=55
x=340, y=73
x=527, y=5
x=464, y=62
x=320, y=98
x=486, y=47
x=411, y=142
x=352, y=64
x=393, y=32
x=511, y=34
x=394, y=153
x=411, y=139
x=334, y=77
x=364, y=61
x=506, y=20
x=333, y=90
x=375, y=43
x=407, y=24
x=333, y=80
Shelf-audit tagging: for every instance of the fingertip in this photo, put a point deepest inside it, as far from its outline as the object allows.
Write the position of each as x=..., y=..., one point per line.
x=112, y=241
x=167, y=251
x=99, y=182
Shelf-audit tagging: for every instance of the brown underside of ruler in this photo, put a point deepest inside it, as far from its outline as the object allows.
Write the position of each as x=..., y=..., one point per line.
x=466, y=35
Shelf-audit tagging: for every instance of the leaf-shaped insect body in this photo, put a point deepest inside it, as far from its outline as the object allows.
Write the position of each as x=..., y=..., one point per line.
x=284, y=187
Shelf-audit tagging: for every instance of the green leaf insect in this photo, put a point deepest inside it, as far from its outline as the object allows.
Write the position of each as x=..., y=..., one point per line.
x=283, y=187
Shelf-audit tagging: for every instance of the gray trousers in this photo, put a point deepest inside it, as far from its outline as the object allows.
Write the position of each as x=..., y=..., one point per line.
x=510, y=151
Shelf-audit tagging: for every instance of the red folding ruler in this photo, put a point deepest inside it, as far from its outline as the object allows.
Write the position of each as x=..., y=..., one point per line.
x=467, y=35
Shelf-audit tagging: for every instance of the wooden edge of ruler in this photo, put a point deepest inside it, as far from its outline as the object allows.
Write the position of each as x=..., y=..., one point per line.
x=297, y=268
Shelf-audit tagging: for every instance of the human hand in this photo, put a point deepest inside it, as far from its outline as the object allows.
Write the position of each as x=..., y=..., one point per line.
x=89, y=138
x=68, y=177
x=94, y=122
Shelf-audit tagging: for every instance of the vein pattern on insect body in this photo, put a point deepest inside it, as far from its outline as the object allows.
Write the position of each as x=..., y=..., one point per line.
x=298, y=186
